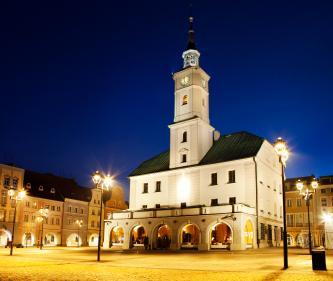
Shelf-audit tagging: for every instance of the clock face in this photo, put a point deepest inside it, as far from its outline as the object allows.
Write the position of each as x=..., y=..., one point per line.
x=185, y=80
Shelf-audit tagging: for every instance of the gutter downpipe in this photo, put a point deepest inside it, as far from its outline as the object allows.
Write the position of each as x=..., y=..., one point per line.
x=257, y=216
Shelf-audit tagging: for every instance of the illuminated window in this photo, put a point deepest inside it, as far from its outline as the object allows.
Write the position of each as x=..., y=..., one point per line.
x=185, y=99
x=52, y=190
x=289, y=204
x=184, y=137
x=40, y=188
x=299, y=202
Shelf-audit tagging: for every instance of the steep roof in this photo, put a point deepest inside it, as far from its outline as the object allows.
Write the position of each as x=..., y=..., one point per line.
x=63, y=187
x=229, y=147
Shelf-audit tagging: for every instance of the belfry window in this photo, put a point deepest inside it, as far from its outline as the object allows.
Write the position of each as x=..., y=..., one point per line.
x=184, y=137
x=185, y=99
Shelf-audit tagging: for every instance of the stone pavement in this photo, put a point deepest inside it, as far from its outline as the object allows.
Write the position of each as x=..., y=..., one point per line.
x=80, y=264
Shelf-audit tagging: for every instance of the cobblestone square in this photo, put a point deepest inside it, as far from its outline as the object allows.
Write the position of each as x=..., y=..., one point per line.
x=80, y=264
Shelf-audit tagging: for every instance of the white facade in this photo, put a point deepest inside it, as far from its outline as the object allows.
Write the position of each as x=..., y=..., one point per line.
x=229, y=203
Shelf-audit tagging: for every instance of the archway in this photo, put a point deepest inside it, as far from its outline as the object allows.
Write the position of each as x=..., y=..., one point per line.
x=221, y=236
x=93, y=240
x=139, y=236
x=50, y=239
x=248, y=234
x=117, y=236
x=162, y=236
x=190, y=236
x=28, y=239
x=290, y=240
x=5, y=237
x=73, y=240
x=300, y=240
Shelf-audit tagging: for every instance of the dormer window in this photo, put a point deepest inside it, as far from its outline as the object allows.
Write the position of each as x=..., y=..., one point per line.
x=185, y=100
x=52, y=190
x=28, y=185
x=184, y=137
x=41, y=188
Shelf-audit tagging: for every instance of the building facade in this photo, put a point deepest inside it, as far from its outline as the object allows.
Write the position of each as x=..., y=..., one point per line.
x=72, y=211
x=207, y=191
x=10, y=177
x=321, y=204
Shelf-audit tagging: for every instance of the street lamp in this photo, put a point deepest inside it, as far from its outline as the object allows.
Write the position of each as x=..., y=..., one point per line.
x=103, y=183
x=79, y=225
x=307, y=195
x=43, y=214
x=281, y=149
x=20, y=195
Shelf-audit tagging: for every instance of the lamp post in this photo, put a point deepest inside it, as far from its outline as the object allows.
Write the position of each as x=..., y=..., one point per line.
x=281, y=149
x=79, y=225
x=307, y=194
x=43, y=213
x=20, y=195
x=102, y=183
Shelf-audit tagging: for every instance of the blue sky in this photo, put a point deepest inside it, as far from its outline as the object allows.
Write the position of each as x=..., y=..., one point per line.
x=87, y=85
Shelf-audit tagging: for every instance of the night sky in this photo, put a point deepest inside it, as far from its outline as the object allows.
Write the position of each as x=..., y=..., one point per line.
x=87, y=85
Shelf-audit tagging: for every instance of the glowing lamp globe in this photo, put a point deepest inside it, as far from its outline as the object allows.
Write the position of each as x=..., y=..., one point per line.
x=299, y=185
x=97, y=178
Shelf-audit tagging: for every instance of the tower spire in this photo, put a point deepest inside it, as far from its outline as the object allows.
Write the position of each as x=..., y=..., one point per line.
x=191, y=39
x=191, y=54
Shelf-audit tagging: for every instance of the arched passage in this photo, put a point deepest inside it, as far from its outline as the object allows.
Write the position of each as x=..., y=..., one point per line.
x=190, y=236
x=50, y=239
x=73, y=240
x=248, y=234
x=117, y=236
x=162, y=237
x=28, y=239
x=221, y=236
x=5, y=237
x=138, y=236
x=93, y=240
x=290, y=240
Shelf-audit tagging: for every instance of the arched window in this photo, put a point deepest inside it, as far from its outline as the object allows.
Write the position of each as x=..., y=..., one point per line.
x=184, y=137
x=185, y=99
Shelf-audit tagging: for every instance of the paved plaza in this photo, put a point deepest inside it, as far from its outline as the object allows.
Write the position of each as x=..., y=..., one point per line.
x=79, y=264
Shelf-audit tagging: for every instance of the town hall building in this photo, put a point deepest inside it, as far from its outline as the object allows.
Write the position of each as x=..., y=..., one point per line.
x=207, y=191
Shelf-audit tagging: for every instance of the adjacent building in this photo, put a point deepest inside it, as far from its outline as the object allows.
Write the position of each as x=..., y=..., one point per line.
x=297, y=215
x=72, y=211
x=206, y=191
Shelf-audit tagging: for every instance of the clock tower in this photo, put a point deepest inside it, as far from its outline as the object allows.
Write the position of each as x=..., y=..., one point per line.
x=191, y=135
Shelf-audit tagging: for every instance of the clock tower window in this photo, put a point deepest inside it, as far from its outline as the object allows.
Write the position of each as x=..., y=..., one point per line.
x=185, y=100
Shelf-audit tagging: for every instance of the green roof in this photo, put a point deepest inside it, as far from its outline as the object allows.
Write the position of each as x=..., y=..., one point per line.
x=227, y=148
